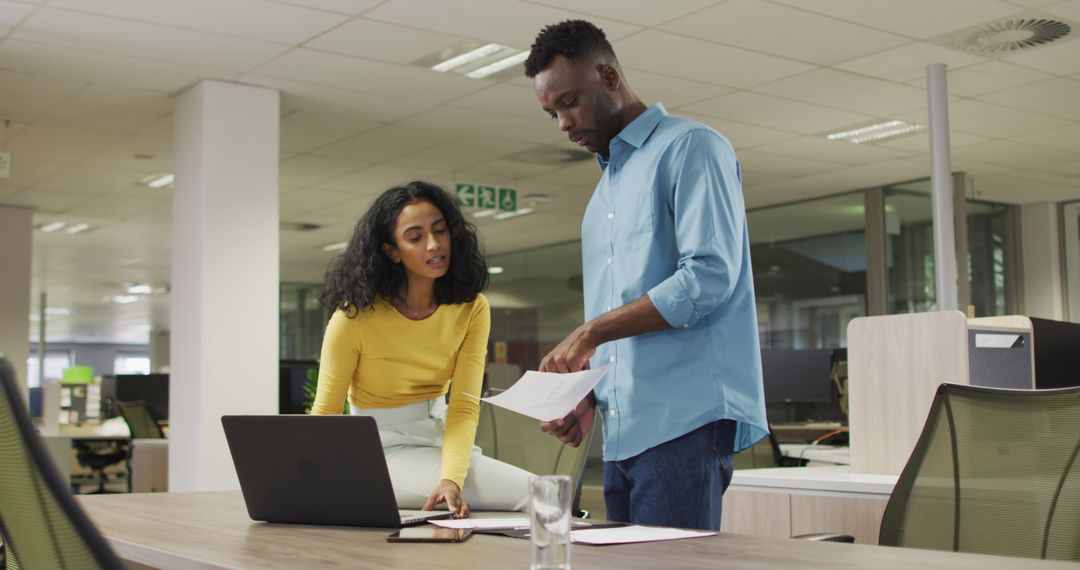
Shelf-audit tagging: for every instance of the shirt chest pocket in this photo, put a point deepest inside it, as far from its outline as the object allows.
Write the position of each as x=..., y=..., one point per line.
x=633, y=216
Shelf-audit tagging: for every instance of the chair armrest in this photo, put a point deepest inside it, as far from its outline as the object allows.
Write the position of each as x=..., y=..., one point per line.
x=826, y=537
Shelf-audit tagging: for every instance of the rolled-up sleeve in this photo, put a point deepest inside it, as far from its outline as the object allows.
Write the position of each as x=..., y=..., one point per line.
x=709, y=221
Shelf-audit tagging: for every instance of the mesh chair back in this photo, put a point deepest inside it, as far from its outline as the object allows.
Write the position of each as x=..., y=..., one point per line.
x=994, y=472
x=140, y=420
x=761, y=455
x=41, y=524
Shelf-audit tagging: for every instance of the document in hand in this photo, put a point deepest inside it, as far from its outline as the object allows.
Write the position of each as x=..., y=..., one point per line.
x=548, y=396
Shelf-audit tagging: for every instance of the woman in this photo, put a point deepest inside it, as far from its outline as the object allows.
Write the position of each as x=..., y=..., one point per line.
x=409, y=324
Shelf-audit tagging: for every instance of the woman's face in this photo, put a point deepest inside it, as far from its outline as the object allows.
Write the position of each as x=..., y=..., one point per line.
x=421, y=241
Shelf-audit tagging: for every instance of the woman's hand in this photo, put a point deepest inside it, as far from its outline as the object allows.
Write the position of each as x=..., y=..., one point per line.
x=448, y=492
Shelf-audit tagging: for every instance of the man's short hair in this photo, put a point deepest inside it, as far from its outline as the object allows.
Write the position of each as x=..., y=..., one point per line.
x=571, y=39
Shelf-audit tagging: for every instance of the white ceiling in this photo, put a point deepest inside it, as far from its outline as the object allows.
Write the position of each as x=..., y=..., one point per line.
x=89, y=84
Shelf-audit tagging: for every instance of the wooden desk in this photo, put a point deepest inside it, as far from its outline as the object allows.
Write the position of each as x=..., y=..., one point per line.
x=212, y=530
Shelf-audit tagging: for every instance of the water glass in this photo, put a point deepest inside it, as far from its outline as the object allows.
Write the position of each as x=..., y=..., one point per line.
x=549, y=513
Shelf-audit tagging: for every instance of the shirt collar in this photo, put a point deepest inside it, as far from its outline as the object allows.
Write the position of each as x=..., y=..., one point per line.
x=637, y=132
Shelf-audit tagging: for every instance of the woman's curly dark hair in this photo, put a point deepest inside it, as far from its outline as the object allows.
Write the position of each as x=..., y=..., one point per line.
x=571, y=39
x=364, y=271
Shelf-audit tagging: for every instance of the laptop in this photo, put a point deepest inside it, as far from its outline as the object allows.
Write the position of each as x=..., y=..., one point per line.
x=316, y=470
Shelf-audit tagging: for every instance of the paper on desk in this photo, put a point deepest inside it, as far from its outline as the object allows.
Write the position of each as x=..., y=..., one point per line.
x=548, y=396
x=633, y=533
x=480, y=524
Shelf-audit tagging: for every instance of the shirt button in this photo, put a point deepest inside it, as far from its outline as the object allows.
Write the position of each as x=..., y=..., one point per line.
x=611, y=215
x=613, y=412
x=610, y=260
x=685, y=326
x=611, y=359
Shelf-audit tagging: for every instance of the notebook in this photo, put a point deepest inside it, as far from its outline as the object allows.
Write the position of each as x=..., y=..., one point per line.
x=315, y=470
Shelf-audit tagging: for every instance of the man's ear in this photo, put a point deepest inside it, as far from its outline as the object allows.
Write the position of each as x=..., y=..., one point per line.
x=610, y=76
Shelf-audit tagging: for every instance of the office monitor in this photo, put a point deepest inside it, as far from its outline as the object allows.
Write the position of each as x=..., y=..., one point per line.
x=292, y=376
x=797, y=375
x=150, y=388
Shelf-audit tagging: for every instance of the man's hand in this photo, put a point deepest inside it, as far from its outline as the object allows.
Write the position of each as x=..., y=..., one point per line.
x=448, y=492
x=572, y=354
x=576, y=426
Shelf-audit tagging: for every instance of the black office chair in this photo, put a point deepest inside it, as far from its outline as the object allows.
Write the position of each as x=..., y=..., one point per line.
x=995, y=471
x=140, y=420
x=98, y=455
x=41, y=525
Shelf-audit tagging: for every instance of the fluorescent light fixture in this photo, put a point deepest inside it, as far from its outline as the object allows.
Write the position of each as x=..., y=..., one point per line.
x=514, y=214
x=57, y=312
x=339, y=246
x=77, y=228
x=483, y=213
x=124, y=299
x=52, y=227
x=498, y=66
x=468, y=57
x=496, y=270
x=157, y=180
x=139, y=288
x=876, y=132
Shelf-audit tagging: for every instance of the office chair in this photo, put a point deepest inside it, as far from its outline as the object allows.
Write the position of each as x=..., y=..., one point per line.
x=41, y=524
x=140, y=420
x=995, y=471
x=761, y=455
x=97, y=456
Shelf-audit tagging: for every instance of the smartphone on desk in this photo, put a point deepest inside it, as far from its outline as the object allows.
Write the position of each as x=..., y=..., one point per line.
x=430, y=534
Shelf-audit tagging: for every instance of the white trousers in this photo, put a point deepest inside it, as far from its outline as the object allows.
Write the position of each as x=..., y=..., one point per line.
x=412, y=437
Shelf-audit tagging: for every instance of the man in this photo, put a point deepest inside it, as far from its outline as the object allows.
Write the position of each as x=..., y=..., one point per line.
x=669, y=298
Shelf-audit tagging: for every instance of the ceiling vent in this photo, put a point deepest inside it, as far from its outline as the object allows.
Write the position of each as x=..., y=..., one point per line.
x=1007, y=36
x=551, y=155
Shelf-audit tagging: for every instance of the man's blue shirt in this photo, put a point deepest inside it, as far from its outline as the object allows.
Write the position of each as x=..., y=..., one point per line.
x=667, y=219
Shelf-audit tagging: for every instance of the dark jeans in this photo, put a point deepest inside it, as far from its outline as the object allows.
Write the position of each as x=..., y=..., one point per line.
x=679, y=483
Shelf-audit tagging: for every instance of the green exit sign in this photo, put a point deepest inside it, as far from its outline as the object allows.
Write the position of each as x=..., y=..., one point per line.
x=486, y=197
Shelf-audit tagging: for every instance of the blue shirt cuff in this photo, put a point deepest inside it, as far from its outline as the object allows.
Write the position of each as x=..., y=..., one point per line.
x=669, y=298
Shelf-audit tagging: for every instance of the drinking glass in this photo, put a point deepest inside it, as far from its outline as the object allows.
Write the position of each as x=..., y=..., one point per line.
x=549, y=513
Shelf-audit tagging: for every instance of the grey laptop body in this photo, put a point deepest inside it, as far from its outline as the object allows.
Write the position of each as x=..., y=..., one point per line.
x=315, y=470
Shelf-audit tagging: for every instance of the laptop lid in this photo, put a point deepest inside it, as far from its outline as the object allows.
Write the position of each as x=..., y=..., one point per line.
x=312, y=469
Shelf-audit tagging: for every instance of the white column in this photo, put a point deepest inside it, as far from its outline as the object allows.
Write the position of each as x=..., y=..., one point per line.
x=941, y=179
x=224, y=312
x=16, y=242
x=1041, y=257
x=159, y=350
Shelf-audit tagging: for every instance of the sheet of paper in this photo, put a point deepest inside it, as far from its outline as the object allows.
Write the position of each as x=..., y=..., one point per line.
x=633, y=533
x=548, y=396
x=479, y=524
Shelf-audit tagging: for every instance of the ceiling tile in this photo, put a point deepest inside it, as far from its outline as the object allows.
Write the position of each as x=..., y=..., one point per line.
x=504, y=98
x=820, y=148
x=122, y=153
x=742, y=135
x=24, y=96
x=346, y=72
x=920, y=142
x=1067, y=138
x=785, y=165
x=255, y=19
x=670, y=54
x=507, y=22
x=1060, y=58
x=783, y=31
x=113, y=208
x=113, y=109
x=27, y=172
x=302, y=131
x=915, y=18
x=373, y=181
x=382, y=41
x=988, y=119
x=73, y=63
x=50, y=202
x=57, y=143
x=310, y=200
x=463, y=152
x=11, y=13
x=350, y=7
x=82, y=178
x=847, y=91
x=341, y=102
x=909, y=62
x=151, y=41
x=584, y=174
x=1043, y=176
x=1059, y=97
x=479, y=123
x=385, y=143
x=671, y=91
x=1014, y=154
x=777, y=113
x=1066, y=169
x=640, y=13
x=510, y=169
x=1067, y=9
x=307, y=170
x=986, y=77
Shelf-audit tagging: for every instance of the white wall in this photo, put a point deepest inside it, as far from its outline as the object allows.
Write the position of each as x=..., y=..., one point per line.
x=1041, y=253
